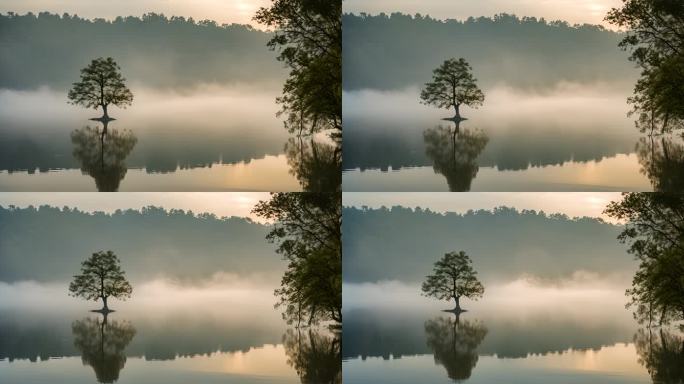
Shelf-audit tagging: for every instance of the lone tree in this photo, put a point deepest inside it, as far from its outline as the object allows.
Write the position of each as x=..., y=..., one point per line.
x=101, y=84
x=101, y=277
x=453, y=278
x=452, y=85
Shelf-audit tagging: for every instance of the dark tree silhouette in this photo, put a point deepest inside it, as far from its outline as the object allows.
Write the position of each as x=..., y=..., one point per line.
x=454, y=154
x=102, y=345
x=101, y=84
x=656, y=38
x=654, y=230
x=315, y=356
x=452, y=85
x=309, y=37
x=454, y=344
x=662, y=161
x=307, y=230
x=102, y=156
x=661, y=353
x=317, y=165
x=453, y=277
x=101, y=278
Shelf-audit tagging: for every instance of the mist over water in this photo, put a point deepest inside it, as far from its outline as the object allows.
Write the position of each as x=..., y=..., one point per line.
x=569, y=137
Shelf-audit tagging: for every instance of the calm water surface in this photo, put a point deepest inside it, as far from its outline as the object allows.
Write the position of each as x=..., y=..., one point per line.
x=573, y=140
x=213, y=346
x=208, y=139
x=391, y=346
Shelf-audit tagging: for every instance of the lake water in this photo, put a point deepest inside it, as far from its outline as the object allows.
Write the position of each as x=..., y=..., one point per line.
x=226, y=344
x=580, y=340
x=571, y=139
x=207, y=139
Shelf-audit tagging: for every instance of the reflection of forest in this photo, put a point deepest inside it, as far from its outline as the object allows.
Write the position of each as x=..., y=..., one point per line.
x=372, y=334
x=102, y=155
x=454, y=154
x=316, y=165
x=102, y=344
x=662, y=161
x=454, y=343
x=661, y=352
x=315, y=355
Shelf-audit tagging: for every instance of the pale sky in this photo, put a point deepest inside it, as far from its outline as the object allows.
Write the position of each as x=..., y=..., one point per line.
x=570, y=203
x=572, y=11
x=221, y=204
x=221, y=11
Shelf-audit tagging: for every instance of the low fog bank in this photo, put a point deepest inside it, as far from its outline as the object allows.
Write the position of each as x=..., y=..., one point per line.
x=222, y=295
x=566, y=103
x=210, y=106
x=579, y=296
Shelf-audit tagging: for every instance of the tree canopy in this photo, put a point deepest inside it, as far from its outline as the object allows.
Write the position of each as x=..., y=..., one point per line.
x=452, y=85
x=655, y=234
x=307, y=231
x=309, y=38
x=656, y=39
x=101, y=84
x=101, y=277
x=453, y=277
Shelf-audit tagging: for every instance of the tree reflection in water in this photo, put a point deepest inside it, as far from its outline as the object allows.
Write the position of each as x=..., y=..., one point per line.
x=454, y=153
x=662, y=161
x=102, y=344
x=316, y=165
x=102, y=153
x=454, y=343
x=315, y=355
x=661, y=352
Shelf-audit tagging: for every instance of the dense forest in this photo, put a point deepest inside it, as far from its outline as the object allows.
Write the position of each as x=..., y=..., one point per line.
x=154, y=50
x=397, y=51
x=401, y=243
x=152, y=242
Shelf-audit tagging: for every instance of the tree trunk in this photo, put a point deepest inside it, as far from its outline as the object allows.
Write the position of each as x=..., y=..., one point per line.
x=457, y=299
x=104, y=302
x=105, y=116
x=457, y=110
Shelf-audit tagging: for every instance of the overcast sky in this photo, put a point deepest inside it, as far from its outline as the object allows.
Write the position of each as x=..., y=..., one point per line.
x=571, y=203
x=220, y=204
x=573, y=11
x=222, y=11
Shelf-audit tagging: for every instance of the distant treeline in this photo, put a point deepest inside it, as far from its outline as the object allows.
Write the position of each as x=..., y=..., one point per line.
x=396, y=51
x=48, y=49
x=401, y=243
x=48, y=244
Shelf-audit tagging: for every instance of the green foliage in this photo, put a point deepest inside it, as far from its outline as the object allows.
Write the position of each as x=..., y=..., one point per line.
x=453, y=277
x=655, y=233
x=309, y=38
x=101, y=277
x=452, y=85
x=101, y=84
x=307, y=231
x=656, y=39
